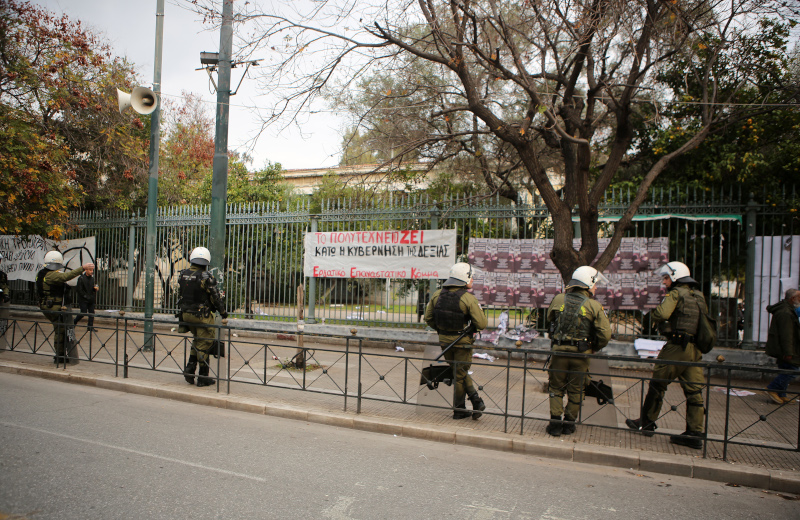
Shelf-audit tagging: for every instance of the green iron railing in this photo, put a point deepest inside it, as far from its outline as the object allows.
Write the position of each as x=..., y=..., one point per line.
x=712, y=231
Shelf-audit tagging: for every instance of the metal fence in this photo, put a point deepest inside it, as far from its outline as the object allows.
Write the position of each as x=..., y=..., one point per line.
x=385, y=381
x=714, y=232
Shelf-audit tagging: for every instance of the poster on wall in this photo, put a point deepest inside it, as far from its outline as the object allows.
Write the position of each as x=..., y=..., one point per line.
x=23, y=256
x=415, y=254
x=520, y=273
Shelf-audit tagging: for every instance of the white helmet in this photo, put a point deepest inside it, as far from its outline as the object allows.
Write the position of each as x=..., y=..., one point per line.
x=677, y=272
x=200, y=256
x=460, y=274
x=54, y=260
x=586, y=276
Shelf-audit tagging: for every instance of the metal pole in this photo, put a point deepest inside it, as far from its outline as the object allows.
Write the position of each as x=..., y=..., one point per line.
x=434, y=225
x=131, y=264
x=219, y=182
x=312, y=285
x=750, y=275
x=152, y=187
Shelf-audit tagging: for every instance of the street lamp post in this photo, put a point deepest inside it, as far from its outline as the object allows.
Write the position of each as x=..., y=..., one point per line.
x=152, y=188
x=219, y=180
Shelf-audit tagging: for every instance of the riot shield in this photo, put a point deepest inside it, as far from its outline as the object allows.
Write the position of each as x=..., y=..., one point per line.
x=70, y=340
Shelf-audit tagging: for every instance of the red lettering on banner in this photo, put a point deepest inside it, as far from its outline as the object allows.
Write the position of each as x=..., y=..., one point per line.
x=417, y=274
x=327, y=273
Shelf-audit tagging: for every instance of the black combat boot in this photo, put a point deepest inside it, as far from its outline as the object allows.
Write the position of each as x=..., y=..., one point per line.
x=188, y=372
x=568, y=428
x=689, y=438
x=459, y=412
x=477, y=405
x=646, y=430
x=202, y=378
x=555, y=427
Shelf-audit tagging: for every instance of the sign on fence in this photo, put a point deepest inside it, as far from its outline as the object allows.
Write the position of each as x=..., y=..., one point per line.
x=23, y=256
x=407, y=254
x=520, y=273
x=777, y=271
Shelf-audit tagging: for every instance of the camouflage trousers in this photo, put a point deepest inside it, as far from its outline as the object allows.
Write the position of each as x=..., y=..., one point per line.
x=54, y=315
x=460, y=358
x=567, y=375
x=203, y=336
x=691, y=380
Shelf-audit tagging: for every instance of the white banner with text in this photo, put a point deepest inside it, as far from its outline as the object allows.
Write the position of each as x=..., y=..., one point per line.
x=23, y=256
x=414, y=254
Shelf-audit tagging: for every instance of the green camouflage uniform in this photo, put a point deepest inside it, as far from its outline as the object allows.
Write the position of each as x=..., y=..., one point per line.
x=50, y=305
x=6, y=296
x=460, y=356
x=567, y=373
x=679, y=313
x=199, y=314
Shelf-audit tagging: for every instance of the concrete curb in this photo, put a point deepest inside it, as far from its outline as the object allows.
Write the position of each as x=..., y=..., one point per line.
x=678, y=465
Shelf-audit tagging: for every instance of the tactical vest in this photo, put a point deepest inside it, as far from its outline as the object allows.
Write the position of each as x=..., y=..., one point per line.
x=46, y=291
x=447, y=314
x=193, y=297
x=686, y=316
x=572, y=323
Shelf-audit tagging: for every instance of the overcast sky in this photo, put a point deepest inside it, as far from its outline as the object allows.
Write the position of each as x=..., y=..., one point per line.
x=130, y=28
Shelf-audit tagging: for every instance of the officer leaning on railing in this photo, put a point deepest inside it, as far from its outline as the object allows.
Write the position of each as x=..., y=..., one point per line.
x=199, y=299
x=51, y=287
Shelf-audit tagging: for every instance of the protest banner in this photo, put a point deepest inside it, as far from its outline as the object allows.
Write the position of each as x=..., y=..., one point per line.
x=415, y=254
x=23, y=256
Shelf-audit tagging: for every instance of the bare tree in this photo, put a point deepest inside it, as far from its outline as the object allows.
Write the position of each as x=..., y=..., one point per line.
x=525, y=85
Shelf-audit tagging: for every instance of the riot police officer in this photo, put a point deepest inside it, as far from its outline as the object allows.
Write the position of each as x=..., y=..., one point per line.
x=5, y=290
x=450, y=310
x=578, y=324
x=51, y=286
x=200, y=298
x=679, y=317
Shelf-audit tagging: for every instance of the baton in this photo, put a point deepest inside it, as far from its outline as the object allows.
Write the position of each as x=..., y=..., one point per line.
x=448, y=347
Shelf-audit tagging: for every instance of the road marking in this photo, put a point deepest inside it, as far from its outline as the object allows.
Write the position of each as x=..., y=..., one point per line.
x=135, y=452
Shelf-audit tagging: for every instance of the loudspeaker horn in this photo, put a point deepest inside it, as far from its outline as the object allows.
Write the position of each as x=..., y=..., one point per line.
x=142, y=100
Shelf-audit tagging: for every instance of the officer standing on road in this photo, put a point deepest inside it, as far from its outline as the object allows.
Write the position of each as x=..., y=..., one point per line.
x=450, y=310
x=679, y=316
x=578, y=324
x=199, y=298
x=51, y=286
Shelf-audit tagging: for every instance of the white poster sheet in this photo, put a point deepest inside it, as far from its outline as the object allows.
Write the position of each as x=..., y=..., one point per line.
x=777, y=269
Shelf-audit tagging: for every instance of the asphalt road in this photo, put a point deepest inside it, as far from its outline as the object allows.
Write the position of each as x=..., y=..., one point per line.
x=75, y=452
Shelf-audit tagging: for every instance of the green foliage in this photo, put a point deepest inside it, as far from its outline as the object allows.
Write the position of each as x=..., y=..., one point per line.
x=34, y=197
x=357, y=149
x=264, y=185
x=58, y=80
x=186, y=154
x=755, y=146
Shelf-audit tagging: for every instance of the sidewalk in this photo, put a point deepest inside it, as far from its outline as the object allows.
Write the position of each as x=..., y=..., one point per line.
x=385, y=372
